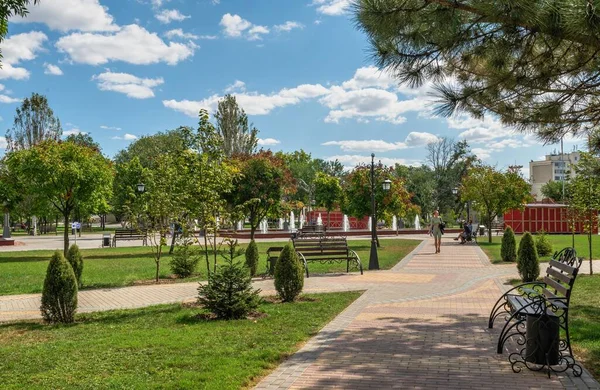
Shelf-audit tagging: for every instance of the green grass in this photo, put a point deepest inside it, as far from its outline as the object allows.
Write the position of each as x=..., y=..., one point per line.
x=584, y=318
x=160, y=347
x=24, y=272
x=558, y=242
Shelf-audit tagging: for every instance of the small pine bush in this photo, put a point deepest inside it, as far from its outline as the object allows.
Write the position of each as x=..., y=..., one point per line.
x=229, y=293
x=543, y=244
x=527, y=260
x=289, y=274
x=75, y=258
x=252, y=257
x=508, y=251
x=185, y=258
x=59, y=297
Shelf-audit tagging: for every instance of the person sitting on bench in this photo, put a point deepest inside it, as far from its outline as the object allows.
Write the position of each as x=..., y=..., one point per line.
x=463, y=236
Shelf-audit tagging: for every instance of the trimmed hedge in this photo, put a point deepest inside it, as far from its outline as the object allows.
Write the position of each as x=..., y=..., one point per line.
x=543, y=244
x=527, y=259
x=59, y=297
x=508, y=251
x=252, y=257
x=75, y=258
x=289, y=274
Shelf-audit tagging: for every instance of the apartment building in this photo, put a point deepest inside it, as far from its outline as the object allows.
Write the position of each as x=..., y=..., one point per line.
x=556, y=167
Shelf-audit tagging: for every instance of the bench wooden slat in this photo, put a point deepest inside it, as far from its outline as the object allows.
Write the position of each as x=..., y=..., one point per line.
x=558, y=275
x=564, y=291
x=322, y=248
x=563, y=267
x=324, y=254
x=554, y=299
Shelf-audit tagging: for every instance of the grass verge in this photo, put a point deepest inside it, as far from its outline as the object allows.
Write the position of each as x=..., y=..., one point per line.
x=24, y=272
x=160, y=347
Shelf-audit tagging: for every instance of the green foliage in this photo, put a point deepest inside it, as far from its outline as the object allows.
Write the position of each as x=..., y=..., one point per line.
x=491, y=52
x=147, y=148
x=328, y=191
x=420, y=184
x=543, y=244
x=34, y=123
x=527, y=259
x=554, y=190
x=83, y=139
x=126, y=198
x=59, y=297
x=252, y=257
x=508, y=250
x=238, y=136
x=493, y=192
x=229, y=293
x=289, y=274
x=185, y=258
x=75, y=258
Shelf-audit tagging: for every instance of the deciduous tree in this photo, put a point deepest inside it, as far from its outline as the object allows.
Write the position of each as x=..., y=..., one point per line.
x=328, y=193
x=34, y=123
x=237, y=134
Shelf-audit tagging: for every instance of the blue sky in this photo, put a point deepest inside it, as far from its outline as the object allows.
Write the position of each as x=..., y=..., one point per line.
x=120, y=69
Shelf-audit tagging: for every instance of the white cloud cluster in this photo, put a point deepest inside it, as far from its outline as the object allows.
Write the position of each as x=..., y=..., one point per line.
x=169, y=15
x=332, y=7
x=178, y=33
x=288, y=26
x=126, y=137
x=52, y=69
x=18, y=48
x=67, y=15
x=237, y=86
x=3, y=143
x=4, y=98
x=128, y=84
x=413, y=139
x=132, y=44
x=234, y=26
x=268, y=142
x=351, y=160
x=104, y=127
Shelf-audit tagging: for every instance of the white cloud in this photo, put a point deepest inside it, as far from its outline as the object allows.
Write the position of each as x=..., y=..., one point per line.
x=8, y=99
x=73, y=132
x=332, y=7
x=268, y=142
x=3, y=143
x=288, y=26
x=158, y=3
x=236, y=86
x=178, y=33
x=17, y=48
x=52, y=69
x=132, y=44
x=482, y=153
x=168, y=15
x=413, y=139
x=208, y=37
x=126, y=137
x=128, y=84
x=110, y=128
x=253, y=103
x=234, y=26
x=351, y=160
x=66, y=15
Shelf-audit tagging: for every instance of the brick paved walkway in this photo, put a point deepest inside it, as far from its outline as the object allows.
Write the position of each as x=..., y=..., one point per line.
x=422, y=326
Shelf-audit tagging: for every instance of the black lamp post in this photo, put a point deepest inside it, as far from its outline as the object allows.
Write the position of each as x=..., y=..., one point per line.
x=6, y=229
x=387, y=184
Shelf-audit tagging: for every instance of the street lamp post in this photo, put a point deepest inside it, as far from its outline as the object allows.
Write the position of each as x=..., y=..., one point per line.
x=6, y=230
x=387, y=184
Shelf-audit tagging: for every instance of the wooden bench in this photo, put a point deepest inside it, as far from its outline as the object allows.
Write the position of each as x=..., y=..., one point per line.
x=540, y=303
x=310, y=231
x=326, y=250
x=497, y=227
x=129, y=235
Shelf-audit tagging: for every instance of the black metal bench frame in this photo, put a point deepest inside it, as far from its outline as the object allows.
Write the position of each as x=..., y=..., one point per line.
x=546, y=300
x=272, y=256
x=129, y=235
x=326, y=250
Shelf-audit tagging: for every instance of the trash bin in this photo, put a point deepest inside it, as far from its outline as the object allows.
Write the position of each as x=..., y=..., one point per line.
x=542, y=339
x=481, y=230
x=105, y=239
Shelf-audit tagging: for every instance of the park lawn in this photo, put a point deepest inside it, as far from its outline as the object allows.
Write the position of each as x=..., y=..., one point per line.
x=558, y=242
x=584, y=318
x=24, y=272
x=160, y=347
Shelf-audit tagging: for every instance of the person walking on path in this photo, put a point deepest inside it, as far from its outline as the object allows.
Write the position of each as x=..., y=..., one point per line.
x=436, y=230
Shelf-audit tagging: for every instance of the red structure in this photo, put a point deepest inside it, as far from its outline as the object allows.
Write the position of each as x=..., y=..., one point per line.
x=550, y=217
x=337, y=219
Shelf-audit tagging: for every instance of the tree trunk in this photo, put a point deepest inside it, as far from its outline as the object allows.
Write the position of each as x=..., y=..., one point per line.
x=157, y=268
x=328, y=219
x=66, y=234
x=489, y=226
x=173, y=239
x=590, y=247
x=252, y=231
x=206, y=253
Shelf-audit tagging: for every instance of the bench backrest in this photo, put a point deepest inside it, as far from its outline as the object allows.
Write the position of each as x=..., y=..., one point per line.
x=560, y=276
x=322, y=248
x=274, y=251
x=312, y=228
x=129, y=233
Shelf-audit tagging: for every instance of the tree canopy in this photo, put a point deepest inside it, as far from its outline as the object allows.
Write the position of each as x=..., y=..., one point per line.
x=34, y=123
x=239, y=136
x=532, y=63
x=554, y=190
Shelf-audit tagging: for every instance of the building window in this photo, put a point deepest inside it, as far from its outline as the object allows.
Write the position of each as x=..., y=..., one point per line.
x=557, y=178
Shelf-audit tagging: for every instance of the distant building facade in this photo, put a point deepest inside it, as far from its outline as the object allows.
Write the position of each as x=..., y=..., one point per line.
x=556, y=167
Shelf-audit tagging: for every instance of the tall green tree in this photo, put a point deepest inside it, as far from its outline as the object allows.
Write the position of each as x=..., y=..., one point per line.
x=34, y=123
x=65, y=174
x=556, y=190
x=84, y=139
x=532, y=63
x=304, y=170
x=238, y=135
x=493, y=192
x=420, y=183
x=328, y=193
x=331, y=168
x=148, y=148
x=585, y=195
x=10, y=8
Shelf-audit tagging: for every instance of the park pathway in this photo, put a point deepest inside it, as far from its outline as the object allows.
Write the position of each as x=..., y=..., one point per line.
x=423, y=326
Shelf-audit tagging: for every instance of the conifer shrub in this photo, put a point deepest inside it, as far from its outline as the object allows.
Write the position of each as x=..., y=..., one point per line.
x=289, y=274
x=527, y=259
x=252, y=257
x=75, y=258
x=229, y=294
x=59, y=296
x=543, y=244
x=508, y=251
x=185, y=258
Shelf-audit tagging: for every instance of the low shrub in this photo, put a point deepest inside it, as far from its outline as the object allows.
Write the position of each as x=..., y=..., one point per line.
x=289, y=274
x=508, y=251
x=59, y=296
x=252, y=257
x=543, y=244
x=75, y=258
x=185, y=258
x=527, y=259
